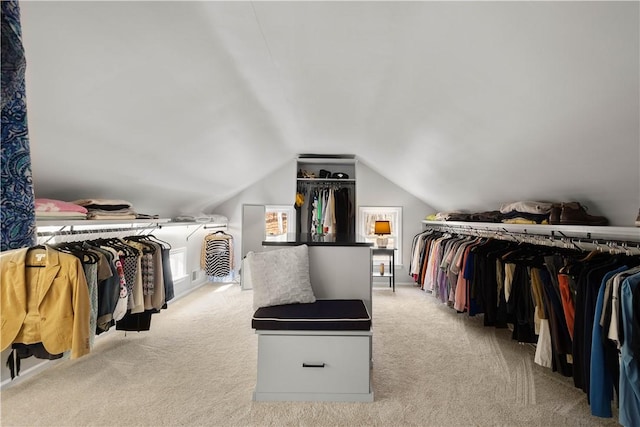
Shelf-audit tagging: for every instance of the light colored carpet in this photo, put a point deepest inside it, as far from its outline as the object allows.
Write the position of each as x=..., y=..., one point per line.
x=197, y=367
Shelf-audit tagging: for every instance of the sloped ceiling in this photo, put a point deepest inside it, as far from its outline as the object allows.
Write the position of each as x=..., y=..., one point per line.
x=177, y=106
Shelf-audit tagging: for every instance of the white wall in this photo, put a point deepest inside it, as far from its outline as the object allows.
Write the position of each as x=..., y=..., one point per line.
x=373, y=189
x=468, y=105
x=277, y=188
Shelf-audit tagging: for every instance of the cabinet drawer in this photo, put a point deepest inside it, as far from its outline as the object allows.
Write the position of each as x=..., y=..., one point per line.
x=313, y=364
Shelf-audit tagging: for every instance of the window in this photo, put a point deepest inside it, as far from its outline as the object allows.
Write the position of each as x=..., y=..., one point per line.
x=178, y=261
x=367, y=217
x=279, y=221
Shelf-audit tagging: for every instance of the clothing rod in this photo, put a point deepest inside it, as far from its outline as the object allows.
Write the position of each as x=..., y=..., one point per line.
x=204, y=227
x=618, y=234
x=551, y=239
x=334, y=182
x=583, y=231
x=93, y=231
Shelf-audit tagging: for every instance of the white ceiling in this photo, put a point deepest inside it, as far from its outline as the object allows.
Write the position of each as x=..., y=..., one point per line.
x=177, y=106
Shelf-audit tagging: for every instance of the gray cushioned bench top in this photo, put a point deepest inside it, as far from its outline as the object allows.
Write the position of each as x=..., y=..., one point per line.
x=322, y=315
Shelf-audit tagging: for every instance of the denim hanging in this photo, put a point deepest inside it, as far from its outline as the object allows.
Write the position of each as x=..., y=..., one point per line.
x=18, y=211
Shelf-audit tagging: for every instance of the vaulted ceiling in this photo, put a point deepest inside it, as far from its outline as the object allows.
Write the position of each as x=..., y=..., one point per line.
x=181, y=105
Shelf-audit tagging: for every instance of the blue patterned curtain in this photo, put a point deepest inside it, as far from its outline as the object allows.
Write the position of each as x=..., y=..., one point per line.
x=18, y=212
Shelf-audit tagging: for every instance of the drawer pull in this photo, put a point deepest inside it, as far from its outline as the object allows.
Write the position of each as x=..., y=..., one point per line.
x=311, y=365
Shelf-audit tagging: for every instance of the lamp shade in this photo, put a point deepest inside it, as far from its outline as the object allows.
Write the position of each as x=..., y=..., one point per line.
x=382, y=227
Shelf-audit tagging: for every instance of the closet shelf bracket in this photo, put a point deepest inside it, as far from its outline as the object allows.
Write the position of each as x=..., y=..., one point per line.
x=55, y=233
x=193, y=232
x=204, y=227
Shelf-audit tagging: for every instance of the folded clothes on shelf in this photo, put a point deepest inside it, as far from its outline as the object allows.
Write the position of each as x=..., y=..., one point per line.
x=202, y=218
x=107, y=209
x=516, y=217
x=146, y=216
x=100, y=209
x=531, y=212
x=53, y=205
x=100, y=214
x=488, y=216
x=104, y=204
x=58, y=209
x=526, y=206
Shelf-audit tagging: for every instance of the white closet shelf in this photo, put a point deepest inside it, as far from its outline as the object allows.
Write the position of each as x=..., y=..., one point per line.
x=327, y=160
x=575, y=231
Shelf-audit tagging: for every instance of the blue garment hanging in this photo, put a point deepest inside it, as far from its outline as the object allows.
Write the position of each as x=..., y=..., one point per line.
x=18, y=200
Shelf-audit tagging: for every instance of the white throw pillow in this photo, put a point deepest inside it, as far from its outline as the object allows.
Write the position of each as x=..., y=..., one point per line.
x=280, y=276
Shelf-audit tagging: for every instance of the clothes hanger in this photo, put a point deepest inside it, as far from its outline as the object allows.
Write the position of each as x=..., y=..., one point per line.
x=593, y=253
x=118, y=244
x=147, y=247
x=155, y=239
x=36, y=247
x=76, y=249
x=86, y=257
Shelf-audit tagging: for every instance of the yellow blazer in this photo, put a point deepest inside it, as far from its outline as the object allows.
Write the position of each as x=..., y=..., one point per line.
x=63, y=306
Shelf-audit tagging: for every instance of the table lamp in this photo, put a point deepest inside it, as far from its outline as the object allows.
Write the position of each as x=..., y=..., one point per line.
x=382, y=229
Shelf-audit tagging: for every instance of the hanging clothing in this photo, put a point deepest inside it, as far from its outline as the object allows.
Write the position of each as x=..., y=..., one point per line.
x=217, y=255
x=344, y=212
x=161, y=272
x=327, y=209
x=576, y=309
x=329, y=215
x=109, y=283
x=135, y=278
x=56, y=299
x=629, y=360
x=24, y=351
x=18, y=224
x=91, y=275
x=600, y=378
x=45, y=298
